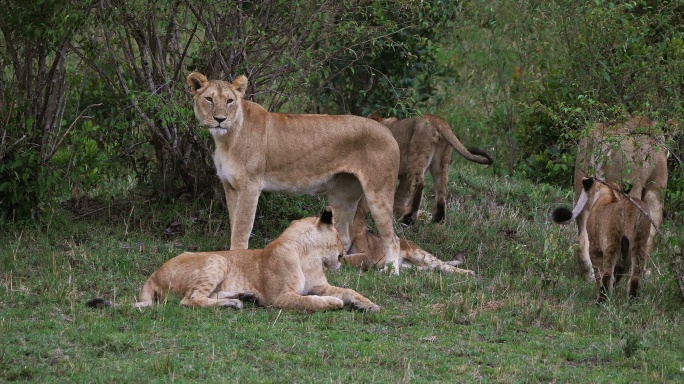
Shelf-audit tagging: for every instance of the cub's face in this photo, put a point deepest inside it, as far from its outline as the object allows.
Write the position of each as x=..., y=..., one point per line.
x=324, y=243
x=217, y=104
x=333, y=256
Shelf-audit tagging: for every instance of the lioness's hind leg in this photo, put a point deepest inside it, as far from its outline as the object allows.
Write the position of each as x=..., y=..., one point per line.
x=439, y=169
x=344, y=198
x=381, y=210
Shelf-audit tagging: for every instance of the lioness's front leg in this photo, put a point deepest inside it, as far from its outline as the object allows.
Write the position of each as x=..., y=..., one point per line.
x=348, y=296
x=231, y=201
x=243, y=218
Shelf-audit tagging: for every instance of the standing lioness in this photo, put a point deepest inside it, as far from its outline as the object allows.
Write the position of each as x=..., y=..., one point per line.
x=345, y=156
x=287, y=273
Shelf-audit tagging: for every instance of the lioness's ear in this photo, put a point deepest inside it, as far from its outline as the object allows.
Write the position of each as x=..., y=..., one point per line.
x=240, y=84
x=326, y=216
x=587, y=182
x=196, y=81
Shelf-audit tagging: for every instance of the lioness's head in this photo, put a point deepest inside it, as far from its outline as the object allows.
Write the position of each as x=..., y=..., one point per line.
x=218, y=104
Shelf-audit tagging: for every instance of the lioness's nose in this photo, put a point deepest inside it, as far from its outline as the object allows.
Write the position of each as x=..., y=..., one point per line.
x=220, y=119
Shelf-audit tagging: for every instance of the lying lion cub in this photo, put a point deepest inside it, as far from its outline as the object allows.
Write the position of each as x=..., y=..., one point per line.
x=367, y=251
x=287, y=273
x=617, y=231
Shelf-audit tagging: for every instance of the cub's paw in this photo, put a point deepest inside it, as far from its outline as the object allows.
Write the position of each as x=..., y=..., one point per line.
x=230, y=303
x=365, y=307
x=249, y=297
x=332, y=302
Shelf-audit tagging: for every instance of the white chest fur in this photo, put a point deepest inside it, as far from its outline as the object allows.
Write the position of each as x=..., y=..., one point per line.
x=224, y=167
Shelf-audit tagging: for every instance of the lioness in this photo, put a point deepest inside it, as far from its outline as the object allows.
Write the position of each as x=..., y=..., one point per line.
x=366, y=251
x=617, y=232
x=287, y=273
x=628, y=156
x=425, y=142
x=345, y=156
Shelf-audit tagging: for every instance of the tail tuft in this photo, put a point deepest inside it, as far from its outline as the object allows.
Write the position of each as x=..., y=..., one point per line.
x=561, y=215
x=98, y=303
x=480, y=152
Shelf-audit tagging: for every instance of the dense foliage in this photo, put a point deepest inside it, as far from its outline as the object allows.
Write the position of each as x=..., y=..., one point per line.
x=130, y=59
x=92, y=92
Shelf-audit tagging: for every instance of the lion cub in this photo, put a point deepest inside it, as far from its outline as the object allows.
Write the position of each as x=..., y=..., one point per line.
x=366, y=250
x=618, y=233
x=287, y=273
x=425, y=142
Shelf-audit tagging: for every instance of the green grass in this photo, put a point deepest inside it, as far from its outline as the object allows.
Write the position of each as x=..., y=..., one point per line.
x=529, y=317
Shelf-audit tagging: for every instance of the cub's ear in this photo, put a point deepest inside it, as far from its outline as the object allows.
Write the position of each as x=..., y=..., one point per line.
x=375, y=116
x=587, y=182
x=240, y=84
x=326, y=216
x=196, y=81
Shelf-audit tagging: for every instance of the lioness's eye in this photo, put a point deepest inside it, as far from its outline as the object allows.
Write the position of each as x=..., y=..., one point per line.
x=210, y=100
x=340, y=257
x=230, y=101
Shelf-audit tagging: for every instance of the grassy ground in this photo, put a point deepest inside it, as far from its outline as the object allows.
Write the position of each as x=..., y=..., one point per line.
x=528, y=317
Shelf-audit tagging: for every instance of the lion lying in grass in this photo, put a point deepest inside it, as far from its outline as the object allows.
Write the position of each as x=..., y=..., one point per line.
x=617, y=232
x=287, y=273
x=366, y=251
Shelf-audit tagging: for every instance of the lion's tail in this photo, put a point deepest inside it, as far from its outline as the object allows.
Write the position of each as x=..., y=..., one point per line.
x=473, y=154
x=148, y=294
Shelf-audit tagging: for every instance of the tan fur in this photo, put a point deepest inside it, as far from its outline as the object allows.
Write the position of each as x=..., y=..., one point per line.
x=618, y=233
x=366, y=251
x=425, y=142
x=617, y=153
x=256, y=150
x=287, y=273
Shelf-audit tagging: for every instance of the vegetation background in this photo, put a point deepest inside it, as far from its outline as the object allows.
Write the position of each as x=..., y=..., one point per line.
x=104, y=174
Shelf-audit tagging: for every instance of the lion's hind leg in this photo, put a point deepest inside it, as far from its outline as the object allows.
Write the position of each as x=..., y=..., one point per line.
x=422, y=259
x=200, y=298
x=201, y=285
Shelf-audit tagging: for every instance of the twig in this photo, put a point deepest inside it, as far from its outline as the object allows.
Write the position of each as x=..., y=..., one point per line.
x=80, y=116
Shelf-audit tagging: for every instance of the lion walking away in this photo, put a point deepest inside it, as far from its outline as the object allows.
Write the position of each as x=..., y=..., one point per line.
x=617, y=232
x=630, y=156
x=425, y=143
